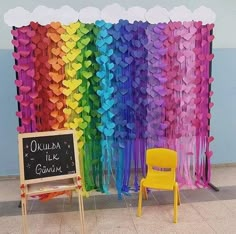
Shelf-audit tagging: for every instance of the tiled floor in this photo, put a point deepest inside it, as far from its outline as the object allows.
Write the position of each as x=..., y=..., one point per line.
x=201, y=211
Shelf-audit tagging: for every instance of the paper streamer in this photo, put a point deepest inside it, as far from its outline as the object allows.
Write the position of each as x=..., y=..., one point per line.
x=124, y=87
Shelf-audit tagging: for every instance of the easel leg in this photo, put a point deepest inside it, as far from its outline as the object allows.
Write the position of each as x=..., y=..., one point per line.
x=81, y=211
x=24, y=215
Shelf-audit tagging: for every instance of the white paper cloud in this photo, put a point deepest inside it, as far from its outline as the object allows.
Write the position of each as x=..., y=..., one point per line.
x=112, y=14
x=43, y=15
x=204, y=14
x=136, y=14
x=157, y=14
x=89, y=15
x=66, y=15
x=17, y=17
x=181, y=13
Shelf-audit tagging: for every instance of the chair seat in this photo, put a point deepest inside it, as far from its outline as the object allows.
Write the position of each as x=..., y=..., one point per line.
x=159, y=180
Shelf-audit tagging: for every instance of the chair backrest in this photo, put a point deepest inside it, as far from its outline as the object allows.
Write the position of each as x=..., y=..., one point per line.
x=161, y=158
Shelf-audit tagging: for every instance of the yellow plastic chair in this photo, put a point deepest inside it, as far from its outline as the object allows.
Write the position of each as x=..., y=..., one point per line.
x=161, y=174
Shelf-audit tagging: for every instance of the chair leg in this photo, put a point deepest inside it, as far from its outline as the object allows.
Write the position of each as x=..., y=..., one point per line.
x=178, y=197
x=139, y=211
x=144, y=191
x=175, y=202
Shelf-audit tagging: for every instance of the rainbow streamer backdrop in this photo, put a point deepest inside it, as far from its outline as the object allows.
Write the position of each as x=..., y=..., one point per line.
x=124, y=88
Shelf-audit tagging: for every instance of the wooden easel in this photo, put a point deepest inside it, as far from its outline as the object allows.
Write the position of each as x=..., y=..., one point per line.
x=58, y=183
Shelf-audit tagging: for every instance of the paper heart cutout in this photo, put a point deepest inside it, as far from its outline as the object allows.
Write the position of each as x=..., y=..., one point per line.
x=65, y=49
x=101, y=74
x=210, y=139
x=56, y=66
x=60, y=118
x=83, y=29
x=77, y=96
x=23, y=41
x=86, y=109
x=211, y=104
x=18, y=83
x=87, y=63
x=83, y=125
x=82, y=89
x=66, y=92
x=72, y=84
x=21, y=129
x=78, y=110
x=24, y=88
x=67, y=111
x=70, y=30
x=85, y=41
x=55, y=25
x=209, y=154
x=72, y=55
x=54, y=113
x=59, y=105
x=71, y=72
x=19, y=98
x=79, y=134
x=72, y=104
x=76, y=66
x=54, y=99
x=14, y=32
x=33, y=95
x=41, y=45
x=56, y=51
x=21, y=67
x=70, y=45
x=56, y=76
x=87, y=74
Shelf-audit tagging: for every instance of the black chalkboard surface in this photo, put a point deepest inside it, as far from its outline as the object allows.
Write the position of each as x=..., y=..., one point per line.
x=48, y=156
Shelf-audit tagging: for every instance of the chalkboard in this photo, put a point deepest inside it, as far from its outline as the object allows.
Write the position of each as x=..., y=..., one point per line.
x=48, y=155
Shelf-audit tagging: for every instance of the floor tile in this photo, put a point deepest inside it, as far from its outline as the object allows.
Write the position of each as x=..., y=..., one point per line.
x=10, y=189
x=231, y=205
x=119, y=230
x=153, y=214
x=198, y=195
x=223, y=176
x=71, y=222
x=132, y=200
x=11, y=225
x=188, y=214
x=55, y=205
x=48, y=223
x=109, y=201
x=155, y=229
x=193, y=228
x=116, y=218
x=226, y=225
x=164, y=197
x=226, y=193
x=212, y=210
x=9, y=208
